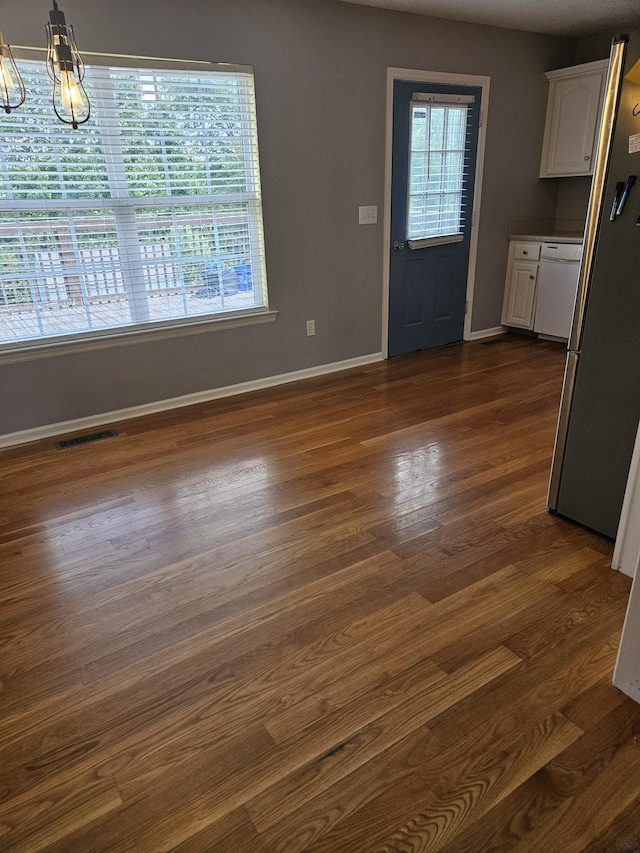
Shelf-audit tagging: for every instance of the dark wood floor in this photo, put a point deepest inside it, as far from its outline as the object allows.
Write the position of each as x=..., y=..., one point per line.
x=331, y=616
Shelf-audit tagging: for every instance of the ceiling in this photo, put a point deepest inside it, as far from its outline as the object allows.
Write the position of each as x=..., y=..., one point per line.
x=557, y=17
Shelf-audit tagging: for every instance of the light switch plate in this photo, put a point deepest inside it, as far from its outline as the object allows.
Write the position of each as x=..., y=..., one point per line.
x=368, y=215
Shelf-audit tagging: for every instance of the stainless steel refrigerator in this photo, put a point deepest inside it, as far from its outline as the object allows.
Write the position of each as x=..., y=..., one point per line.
x=600, y=404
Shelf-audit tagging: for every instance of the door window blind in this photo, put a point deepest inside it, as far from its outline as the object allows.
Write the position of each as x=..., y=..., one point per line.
x=438, y=140
x=151, y=212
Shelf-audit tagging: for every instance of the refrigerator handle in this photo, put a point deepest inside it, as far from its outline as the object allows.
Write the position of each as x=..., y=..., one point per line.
x=561, y=431
x=594, y=212
x=598, y=185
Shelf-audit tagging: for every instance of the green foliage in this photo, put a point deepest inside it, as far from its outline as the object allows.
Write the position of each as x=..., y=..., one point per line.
x=173, y=136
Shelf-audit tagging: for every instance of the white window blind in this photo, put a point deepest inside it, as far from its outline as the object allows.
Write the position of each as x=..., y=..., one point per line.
x=438, y=138
x=149, y=213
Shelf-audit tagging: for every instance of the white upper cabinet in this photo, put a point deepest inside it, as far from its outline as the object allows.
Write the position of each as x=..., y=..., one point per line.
x=573, y=118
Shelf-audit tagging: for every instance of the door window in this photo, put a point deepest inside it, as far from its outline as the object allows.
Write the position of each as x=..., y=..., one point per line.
x=437, y=141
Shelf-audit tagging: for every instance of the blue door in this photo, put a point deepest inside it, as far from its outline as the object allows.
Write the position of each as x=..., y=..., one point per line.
x=435, y=143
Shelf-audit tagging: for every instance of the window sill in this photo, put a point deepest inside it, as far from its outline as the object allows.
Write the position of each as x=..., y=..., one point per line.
x=106, y=339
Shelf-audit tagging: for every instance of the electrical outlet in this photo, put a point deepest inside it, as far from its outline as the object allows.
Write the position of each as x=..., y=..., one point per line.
x=368, y=215
x=311, y=327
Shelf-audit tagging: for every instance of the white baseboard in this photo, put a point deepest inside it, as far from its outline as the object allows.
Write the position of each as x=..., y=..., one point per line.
x=49, y=430
x=486, y=333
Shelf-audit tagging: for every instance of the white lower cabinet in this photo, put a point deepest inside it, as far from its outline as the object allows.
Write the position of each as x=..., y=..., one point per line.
x=520, y=287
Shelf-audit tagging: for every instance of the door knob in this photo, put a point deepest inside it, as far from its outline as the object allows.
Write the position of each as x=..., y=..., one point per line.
x=397, y=247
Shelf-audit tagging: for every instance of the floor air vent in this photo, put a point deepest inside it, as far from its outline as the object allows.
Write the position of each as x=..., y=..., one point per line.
x=85, y=439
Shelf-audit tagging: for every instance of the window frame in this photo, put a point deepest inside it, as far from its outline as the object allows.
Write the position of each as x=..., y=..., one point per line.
x=135, y=332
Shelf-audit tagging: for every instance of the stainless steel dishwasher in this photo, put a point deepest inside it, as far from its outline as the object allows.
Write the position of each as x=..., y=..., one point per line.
x=557, y=286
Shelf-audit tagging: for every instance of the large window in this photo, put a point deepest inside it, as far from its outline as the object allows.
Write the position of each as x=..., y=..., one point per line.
x=149, y=213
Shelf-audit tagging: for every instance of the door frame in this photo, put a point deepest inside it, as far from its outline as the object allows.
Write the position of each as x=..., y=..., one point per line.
x=415, y=76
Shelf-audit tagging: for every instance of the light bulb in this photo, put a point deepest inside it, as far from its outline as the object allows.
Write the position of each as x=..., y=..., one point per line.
x=69, y=92
x=6, y=80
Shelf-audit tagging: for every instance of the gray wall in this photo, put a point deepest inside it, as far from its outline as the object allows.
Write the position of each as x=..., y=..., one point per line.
x=573, y=197
x=320, y=69
x=597, y=46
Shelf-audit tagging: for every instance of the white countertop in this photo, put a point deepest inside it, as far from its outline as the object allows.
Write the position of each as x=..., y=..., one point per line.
x=549, y=237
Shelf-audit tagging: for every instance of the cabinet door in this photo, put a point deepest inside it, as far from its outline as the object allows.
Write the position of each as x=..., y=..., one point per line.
x=521, y=295
x=573, y=116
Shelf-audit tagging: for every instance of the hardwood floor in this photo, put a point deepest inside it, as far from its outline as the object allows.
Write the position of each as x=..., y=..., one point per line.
x=330, y=616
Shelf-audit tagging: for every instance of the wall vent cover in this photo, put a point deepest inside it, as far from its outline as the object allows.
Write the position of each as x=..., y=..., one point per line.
x=85, y=439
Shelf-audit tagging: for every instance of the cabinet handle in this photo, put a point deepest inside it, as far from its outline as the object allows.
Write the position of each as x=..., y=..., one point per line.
x=525, y=253
x=531, y=277
x=586, y=156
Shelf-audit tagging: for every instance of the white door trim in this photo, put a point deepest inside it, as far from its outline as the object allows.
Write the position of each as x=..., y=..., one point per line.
x=410, y=75
x=627, y=550
x=626, y=675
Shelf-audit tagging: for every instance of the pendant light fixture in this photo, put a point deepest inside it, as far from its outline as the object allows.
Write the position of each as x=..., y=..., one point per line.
x=66, y=70
x=12, y=93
